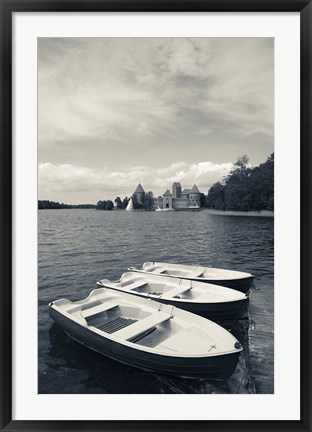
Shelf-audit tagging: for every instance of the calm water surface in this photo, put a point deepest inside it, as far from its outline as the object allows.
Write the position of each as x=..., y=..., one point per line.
x=78, y=247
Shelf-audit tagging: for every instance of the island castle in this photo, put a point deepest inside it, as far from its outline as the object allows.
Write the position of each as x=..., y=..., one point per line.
x=178, y=199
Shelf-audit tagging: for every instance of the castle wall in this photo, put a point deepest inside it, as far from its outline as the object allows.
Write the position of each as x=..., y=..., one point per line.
x=183, y=202
x=194, y=199
x=176, y=190
x=158, y=202
x=180, y=203
x=167, y=201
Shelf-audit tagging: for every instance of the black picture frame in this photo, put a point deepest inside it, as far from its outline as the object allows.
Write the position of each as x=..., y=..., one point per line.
x=7, y=8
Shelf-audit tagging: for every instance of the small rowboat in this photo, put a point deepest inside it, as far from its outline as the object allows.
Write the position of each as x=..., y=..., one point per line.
x=208, y=300
x=148, y=335
x=239, y=281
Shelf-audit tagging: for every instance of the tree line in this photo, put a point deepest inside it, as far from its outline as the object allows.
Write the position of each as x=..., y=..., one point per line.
x=245, y=188
x=53, y=205
x=109, y=205
x=147, y=203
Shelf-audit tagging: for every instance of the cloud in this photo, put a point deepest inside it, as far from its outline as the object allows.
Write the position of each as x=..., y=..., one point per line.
x=118, y=88
x=66, y=178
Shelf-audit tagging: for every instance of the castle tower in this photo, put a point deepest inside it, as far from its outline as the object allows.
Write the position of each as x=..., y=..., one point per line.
x=194, y=196
x=139, y=193
x=167, y=199
x=176, y=190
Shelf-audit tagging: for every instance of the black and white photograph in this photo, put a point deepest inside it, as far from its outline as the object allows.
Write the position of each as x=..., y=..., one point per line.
x=155, y=215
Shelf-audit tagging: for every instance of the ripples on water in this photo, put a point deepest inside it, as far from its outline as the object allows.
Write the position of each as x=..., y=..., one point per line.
x=78, y=247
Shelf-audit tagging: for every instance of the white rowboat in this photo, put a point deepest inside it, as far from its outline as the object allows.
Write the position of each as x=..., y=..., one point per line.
x=208, y=300
x=228, y=278
x=148, y=335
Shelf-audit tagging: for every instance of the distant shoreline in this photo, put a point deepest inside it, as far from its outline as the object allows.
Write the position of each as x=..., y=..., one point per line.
x=262, y=213
x=255, y=213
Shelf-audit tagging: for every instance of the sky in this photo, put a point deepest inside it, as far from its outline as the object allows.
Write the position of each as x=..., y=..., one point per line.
x=113, y=112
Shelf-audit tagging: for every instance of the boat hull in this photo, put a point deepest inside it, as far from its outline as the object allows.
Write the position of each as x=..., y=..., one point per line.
x=214, y=311
x=218, y=367
x=243, y=285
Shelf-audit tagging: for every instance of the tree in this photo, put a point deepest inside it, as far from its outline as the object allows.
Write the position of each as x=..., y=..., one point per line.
x=118, y=203
x=237, y=193
x=262, y=185
x=148, y=202
x=109, y=205
x=202, y=199
x=125, y=203
x=136, y=204
x=101, y=205
x=245, y=188
x=241, y=162
x=215, y=198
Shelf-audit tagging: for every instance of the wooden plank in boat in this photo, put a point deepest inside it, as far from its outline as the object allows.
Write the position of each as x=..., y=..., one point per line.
x=141, y=326
x=159, y=270
x=97, y=309
x=195, y=274
x=135, y=284
x=175, y=291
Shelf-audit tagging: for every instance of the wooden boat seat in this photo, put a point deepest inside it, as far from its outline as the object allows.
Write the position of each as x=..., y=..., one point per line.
x=195, y=274
x=159, y=270
x=175, y=291
x=142, y=326
x=135, y=284
x=97, y=309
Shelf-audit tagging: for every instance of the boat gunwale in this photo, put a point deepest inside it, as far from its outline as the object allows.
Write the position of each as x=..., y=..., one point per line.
x=245, y=275
x=196, y=279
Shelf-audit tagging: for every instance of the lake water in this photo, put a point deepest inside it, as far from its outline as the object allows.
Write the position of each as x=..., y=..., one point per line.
x=78, y=247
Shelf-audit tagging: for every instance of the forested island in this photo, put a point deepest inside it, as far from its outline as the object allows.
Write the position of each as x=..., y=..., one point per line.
x=244, y=189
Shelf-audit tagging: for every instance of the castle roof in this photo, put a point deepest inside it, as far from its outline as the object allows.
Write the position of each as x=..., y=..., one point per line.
x=195, y=189
x=167, y=193
x=186, y=191
x=176, y=184
x=139, y=189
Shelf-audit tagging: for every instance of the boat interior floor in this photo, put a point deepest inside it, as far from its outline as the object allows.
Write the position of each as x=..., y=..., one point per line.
x=149, y=330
